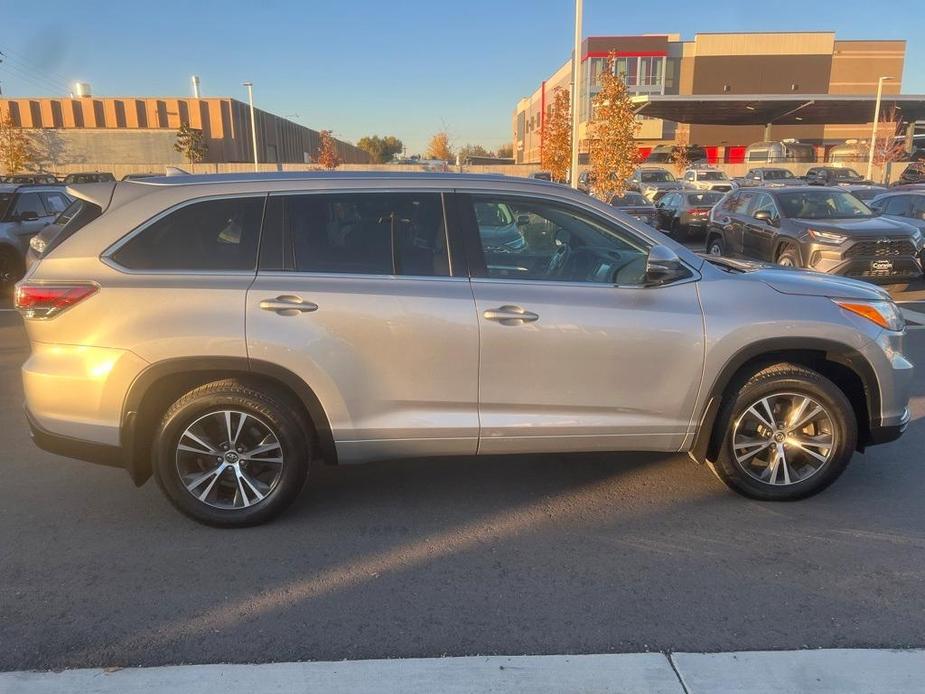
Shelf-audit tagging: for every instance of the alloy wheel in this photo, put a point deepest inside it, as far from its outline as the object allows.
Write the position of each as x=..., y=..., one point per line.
x=229, y=459
x=783, y=439
x=715, y=249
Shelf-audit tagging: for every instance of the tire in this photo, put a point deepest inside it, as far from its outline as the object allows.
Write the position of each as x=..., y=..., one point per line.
x=715, y=246
x=788, y=257
x=11, y=269
x=245, y=491
x=801, y=473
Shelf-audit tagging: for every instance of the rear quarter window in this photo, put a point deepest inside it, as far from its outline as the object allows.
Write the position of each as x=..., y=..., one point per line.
x=209, y=235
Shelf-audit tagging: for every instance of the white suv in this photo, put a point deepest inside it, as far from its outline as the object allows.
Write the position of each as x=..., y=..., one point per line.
x=708, y=179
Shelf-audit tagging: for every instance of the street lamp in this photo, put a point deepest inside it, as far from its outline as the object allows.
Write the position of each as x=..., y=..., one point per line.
x=576, y=83
x=873, y=131
x=250, y=98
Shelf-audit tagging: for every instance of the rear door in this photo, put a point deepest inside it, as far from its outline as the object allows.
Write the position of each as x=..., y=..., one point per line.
x=358, y=296
x=575, y=353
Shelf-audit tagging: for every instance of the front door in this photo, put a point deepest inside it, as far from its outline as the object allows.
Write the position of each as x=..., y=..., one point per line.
x=760, y=234
x=355, y=296
x=575, y=353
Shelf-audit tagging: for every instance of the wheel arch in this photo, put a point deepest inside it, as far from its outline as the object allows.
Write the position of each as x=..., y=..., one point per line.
x=840, y=363
x=155, y=388
x=783, y=242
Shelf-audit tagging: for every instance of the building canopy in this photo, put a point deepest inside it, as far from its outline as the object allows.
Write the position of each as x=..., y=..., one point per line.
x=779, y=109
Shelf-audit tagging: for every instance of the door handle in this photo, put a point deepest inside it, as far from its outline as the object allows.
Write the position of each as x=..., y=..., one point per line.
x=510, y=315
x=288, y=305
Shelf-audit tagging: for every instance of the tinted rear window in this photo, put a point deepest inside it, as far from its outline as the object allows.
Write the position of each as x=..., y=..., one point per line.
x=630, y=200
x=699, y=199
x=211, y=235
x=363, y=233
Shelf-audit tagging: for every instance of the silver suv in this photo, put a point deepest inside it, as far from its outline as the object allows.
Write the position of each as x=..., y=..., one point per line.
x=226, y=332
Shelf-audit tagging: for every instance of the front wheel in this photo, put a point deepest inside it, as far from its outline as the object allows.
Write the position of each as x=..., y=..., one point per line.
x=789, y=433
x=230, y=454
x=789, y=257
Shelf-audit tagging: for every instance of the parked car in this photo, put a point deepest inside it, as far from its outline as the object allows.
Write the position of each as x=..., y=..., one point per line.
x=585, y=181
x=705, y=178
x=834, y=176
x=664, y=154
x=89, y=177
x=779, y=151
x=902, y=205
x=223, y=332
x=636, y=205
x=37, y=179
x=863, y=191
x=653, y=182
x=24, y=211
x=139, y=176
x=770, y=176
x=685, y=213
x=913, y=174
x=822, y=229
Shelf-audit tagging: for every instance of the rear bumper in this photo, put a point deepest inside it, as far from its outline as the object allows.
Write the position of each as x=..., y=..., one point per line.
x=89, y=451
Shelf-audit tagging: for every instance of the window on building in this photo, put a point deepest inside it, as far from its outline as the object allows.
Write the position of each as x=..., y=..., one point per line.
x=211, y=235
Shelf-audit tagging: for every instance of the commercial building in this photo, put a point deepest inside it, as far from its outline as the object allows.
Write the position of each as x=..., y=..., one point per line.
x=812, y=63
x=143, y=130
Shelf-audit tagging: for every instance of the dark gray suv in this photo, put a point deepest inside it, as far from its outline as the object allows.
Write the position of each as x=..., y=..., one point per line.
x=823, y=229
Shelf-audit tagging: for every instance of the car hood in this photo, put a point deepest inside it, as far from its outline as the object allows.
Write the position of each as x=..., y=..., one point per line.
x=868, y=226
x=804, y=282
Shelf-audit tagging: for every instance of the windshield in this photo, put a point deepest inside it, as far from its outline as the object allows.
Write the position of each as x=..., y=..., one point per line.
x=712, y=176
x=656, y=177
x=849, y=174
x=629, y=200
x=697, y=199
x=4, y=202
x=777, y=174
x=822, y=204
x=493, y=214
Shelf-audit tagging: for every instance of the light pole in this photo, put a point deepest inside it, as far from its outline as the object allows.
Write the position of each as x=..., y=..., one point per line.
x=250, y=98
x=873, y=130
x=576, y=88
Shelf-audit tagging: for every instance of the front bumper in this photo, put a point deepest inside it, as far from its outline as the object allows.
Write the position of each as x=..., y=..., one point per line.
x=865, y=259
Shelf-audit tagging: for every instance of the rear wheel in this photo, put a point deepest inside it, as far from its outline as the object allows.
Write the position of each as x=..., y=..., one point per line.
x=231, y=455
x=715, y=246
x=789, y=432
x=11, y=269
x=788, y=257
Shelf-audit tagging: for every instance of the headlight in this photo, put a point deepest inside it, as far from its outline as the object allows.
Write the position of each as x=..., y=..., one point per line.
x=886, y=314
x=37, y=245
x=826, y=236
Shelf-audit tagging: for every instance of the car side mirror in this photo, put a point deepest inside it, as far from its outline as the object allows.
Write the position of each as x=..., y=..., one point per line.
x=27, y=216
x=522, y=220
x=663, y=266
x=764, y=216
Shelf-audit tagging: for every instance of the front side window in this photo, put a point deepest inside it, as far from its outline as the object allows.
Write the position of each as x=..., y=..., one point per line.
x=364, y=233
x=896, y=205
x=560, y=243
x=764, y=203
x=918, y=207
x=743, y=202
x=210, y=235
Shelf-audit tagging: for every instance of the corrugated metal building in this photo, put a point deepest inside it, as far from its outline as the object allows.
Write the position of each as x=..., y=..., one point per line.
x=142, y=130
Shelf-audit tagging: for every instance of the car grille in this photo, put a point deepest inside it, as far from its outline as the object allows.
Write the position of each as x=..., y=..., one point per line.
x=880, y=248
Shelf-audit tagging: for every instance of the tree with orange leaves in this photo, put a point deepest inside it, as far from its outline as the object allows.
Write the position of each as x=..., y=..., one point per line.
x=556, y=136
x=327, y=152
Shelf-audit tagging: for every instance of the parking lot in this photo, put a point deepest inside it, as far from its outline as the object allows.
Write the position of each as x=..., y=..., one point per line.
x=524, y=555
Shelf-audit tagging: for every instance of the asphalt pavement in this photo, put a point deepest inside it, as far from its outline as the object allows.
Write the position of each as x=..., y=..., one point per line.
x=470, y=556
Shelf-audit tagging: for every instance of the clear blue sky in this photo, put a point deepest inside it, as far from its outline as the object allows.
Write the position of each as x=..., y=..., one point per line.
x=402, y=67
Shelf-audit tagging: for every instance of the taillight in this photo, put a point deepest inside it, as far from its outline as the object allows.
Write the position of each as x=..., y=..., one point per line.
x=48, y=300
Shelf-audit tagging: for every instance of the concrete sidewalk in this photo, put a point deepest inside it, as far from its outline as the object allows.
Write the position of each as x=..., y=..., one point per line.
x=823, y=671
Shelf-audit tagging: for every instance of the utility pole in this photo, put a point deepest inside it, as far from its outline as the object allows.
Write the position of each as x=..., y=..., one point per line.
x=873, y=132
x=576, y=88
x=250, y=98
